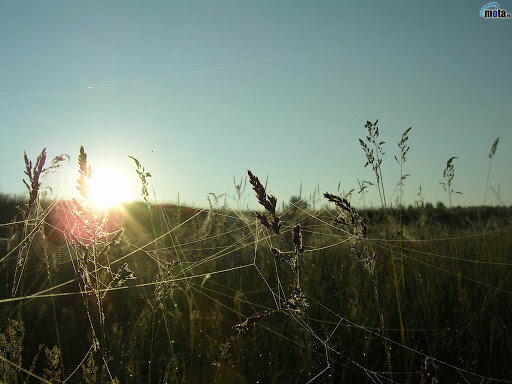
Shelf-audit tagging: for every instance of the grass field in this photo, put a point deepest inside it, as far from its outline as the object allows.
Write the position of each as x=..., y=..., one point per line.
x=163, y=293
x=255, y=192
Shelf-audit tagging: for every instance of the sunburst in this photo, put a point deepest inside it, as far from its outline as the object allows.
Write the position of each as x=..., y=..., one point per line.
x=108, y=188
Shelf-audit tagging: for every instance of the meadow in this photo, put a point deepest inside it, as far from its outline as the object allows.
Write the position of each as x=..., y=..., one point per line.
x=307, y=290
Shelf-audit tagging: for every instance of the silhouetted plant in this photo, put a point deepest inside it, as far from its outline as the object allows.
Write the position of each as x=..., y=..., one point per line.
x=374, y=158
x=448, y=176
x=492, y=152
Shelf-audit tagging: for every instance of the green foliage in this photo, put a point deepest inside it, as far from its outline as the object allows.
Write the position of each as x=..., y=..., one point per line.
x=180, y=328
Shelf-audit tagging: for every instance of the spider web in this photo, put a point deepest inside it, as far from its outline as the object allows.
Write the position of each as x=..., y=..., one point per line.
x=179, y=269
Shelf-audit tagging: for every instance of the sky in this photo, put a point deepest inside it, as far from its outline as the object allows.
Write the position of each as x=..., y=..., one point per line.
x=201, y=91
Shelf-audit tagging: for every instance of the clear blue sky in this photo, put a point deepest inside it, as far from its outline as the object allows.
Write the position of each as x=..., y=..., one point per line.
x=200, y=91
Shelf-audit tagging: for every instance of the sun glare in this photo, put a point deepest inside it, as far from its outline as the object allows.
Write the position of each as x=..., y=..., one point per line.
x=107, y=188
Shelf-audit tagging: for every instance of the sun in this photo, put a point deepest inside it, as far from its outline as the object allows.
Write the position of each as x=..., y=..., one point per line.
x=108, y=188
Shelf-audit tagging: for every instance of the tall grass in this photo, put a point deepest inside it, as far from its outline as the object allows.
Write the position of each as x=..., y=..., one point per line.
x=492, y=152
x=163, y=293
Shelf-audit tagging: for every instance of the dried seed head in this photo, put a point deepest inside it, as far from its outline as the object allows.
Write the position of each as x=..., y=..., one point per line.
x=494, y=147
x=33, y=184
x=263, y=219
x=85, y=172
x=355, y=228
x=276, y=224
x=143, y=176
x=297, y=303
x=251, y=321
x=297, y=239
x=268, y=202
x=278, y=254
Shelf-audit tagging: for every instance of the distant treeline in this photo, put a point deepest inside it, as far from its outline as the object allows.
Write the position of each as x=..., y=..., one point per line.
x=460, y=217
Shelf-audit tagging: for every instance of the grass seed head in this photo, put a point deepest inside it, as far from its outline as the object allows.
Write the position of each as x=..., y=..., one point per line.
x=355, y=227
x=297, y=239
x=268, y=202
x=493, y=148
